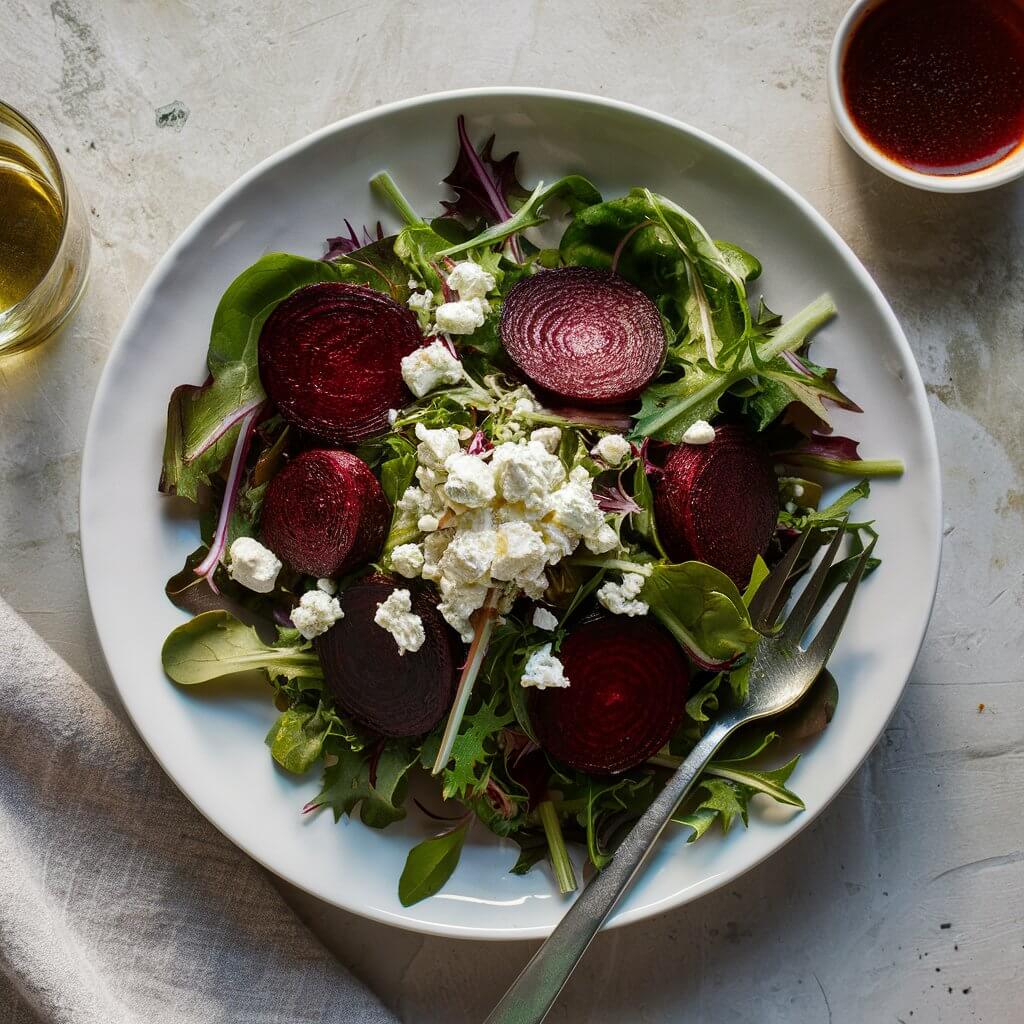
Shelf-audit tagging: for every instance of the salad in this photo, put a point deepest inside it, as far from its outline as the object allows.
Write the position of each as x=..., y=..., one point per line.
x=486, y=499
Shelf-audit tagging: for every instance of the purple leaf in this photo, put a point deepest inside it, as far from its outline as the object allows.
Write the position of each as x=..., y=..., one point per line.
x=826, y=447
x=482, y=183
x=342, y=245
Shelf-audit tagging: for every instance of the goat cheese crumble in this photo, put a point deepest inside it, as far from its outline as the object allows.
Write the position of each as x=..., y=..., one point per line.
x=315, y=613
x=470, y=280
x=253, y=565
x=430, y=367
x=462, y=317
x=407, y=560
x=621, y=598
x=700, y=432
x=395, y=614
x=543, y=619
x=543, y=670
x=612, y=448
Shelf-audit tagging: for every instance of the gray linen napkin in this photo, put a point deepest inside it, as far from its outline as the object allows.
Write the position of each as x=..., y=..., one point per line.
x=119, y=903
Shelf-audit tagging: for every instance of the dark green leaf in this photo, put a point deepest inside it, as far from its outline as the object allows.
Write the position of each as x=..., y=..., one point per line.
x=347, y=783
x=429, y=865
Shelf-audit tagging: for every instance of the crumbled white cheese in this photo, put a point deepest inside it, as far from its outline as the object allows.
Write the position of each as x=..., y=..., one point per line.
x=621, y=598
x=527, y=473
x=253, y=565
x=575, y=506
x=700, y=432
x=543, y=619
x=328, y=586
x=798, y=490
x=790, y=507
x=392, y=417
x=429, y=367
x=407, y=560
x=420, y=300
x=470, y=280
x=543, y=669
x=519, y=554
x=458, y=602
x=316, y=613
x=468, y=557
x=470, y=481
x=606, y=539
x=415, y=501
x=434, y=546
x=428, y=523
x=462, y=317
x=525, y=405
x=612, y=448
x=396, y=616
x=549, y=437
x=435, y=445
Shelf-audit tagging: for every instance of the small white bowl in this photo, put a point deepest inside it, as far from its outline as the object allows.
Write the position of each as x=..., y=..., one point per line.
x=1009, y=168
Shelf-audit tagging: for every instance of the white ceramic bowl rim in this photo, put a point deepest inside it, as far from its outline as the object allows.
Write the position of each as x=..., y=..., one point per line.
x=94, y=456
x=1008, y=169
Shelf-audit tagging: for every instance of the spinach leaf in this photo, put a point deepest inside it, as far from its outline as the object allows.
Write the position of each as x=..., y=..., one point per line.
x=375, y=781
x=702, y=609
x=430, y=864
x=216, y=644
x=296, y=739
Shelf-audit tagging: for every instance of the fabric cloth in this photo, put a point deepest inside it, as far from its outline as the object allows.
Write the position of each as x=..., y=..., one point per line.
x=119, y=903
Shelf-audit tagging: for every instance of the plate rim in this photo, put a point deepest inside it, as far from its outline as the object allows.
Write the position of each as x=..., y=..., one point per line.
x=142, y=301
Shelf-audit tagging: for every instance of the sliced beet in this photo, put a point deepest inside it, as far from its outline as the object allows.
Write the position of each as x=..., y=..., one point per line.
x=718, y=503
x=391, y=693
x=585, y=335
x=330, y=358
x=626, y=696
x=324, y=513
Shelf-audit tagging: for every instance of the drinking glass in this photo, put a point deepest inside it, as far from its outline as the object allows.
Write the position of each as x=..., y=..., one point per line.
x=44, y=237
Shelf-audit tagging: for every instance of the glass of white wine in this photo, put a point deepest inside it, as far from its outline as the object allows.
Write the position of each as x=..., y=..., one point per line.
x=44, y=237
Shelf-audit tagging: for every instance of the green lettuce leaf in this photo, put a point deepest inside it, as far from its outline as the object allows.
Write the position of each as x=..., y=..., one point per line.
x=702, y=609
x=376, y=782
x=296, y=739
x=216, y=644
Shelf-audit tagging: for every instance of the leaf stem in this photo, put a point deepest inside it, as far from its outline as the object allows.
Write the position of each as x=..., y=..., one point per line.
x=485, y=619
x=560, y=863
x=846, y=467
x=385, y=185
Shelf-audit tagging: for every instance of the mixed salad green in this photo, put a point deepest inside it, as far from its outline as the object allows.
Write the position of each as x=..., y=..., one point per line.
x=508, y=505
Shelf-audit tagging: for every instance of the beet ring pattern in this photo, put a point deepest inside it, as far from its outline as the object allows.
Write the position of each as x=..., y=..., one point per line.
x=585, y=335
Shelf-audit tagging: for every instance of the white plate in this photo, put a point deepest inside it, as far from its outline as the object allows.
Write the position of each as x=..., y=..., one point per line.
x=210, y=741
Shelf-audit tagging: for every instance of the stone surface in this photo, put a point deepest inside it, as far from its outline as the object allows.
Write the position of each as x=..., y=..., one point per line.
x=904, y=902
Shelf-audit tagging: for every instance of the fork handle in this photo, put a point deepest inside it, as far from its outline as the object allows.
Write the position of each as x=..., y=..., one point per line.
x=531, y=996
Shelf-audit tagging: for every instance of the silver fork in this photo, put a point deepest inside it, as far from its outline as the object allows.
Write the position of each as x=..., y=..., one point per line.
x=781, y=672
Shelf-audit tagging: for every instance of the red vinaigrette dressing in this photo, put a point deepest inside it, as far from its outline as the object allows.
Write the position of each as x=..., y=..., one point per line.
x=938, y=85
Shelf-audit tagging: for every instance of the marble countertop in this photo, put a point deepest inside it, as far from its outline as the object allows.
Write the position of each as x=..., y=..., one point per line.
x=904, y=902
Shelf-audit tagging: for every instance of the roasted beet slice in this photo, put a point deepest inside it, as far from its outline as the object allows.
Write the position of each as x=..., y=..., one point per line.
x=718, y=503
x=625, y=699
x=324, y=513
x=585, y=335
x=393, y=694
x=330, y=358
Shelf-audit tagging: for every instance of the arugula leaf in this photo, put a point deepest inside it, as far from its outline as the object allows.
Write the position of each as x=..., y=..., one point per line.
x=704, y=702
x=573, y=189
x=771, y=783
x=533, y=848
x=429, y=865
x=724, y=802
x=668, y=409
x=375, y=781
x=296, y=739
x=702, y=609
x=830, y=517
x=216, y=644
x=474, y=748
